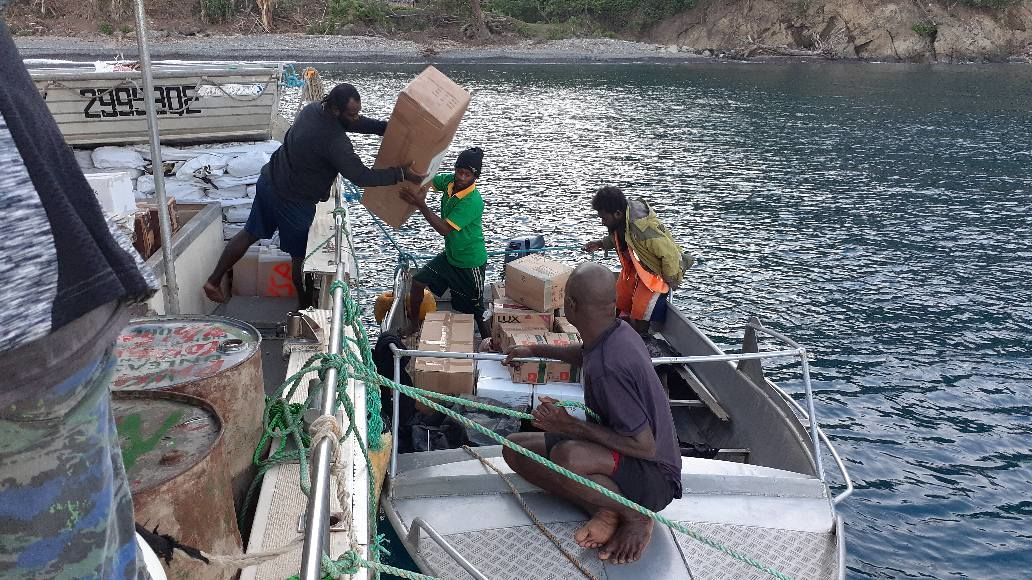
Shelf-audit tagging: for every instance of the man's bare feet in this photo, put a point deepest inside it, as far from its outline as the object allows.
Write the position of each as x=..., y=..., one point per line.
x=598, y=530
x=214, y=292
x=629, y=542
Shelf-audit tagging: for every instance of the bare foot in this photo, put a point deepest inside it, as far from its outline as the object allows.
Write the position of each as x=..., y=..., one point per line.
x=214, y=292
x=629, y=541
x=598, y=530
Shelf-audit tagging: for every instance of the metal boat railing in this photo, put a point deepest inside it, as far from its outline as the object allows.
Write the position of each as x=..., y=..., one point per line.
x=317, y=522
x=827, y=443
x=797, y=351
x=413, y=540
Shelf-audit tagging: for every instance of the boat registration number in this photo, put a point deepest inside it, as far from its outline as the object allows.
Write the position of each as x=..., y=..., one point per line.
x=106, y=103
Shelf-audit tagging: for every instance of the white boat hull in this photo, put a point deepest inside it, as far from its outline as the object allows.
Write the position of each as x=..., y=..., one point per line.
x=193, y=104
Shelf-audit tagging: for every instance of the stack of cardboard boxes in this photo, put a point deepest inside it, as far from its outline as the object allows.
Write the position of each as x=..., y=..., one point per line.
x=524, y=311
x=446, y=332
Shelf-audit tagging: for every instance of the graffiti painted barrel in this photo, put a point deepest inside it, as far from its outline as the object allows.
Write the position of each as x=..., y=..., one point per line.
x=172, y=448
x=217, y=359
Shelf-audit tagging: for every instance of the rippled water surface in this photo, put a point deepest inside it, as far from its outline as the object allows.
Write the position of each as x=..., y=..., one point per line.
x=879, y=214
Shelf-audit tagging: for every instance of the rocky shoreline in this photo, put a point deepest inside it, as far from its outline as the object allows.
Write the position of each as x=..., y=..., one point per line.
x=312, y=48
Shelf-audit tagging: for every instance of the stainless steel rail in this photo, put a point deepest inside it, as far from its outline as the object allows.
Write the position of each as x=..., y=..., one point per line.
x=164, y=220
x=317, y=526
x=827, y=442
x=413, y=540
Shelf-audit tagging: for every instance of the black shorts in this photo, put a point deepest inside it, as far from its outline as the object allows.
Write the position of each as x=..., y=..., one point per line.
x=639, y=480
x=466, y=284
x=270, y=212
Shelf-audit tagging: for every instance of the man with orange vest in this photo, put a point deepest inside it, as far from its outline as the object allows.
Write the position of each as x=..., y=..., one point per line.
x=652, y=264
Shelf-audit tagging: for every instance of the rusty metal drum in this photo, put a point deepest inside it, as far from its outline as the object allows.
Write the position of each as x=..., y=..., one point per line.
x=211, y=357
x=172, y=448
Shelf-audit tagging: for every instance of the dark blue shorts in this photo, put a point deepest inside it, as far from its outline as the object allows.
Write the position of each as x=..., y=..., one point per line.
x=270, y=212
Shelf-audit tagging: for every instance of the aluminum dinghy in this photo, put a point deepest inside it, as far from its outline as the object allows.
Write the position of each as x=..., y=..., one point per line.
x=763, y=495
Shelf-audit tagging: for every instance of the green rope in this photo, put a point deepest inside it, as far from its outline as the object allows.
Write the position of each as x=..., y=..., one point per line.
x=367, y=373
x=349, y=563
x=503, y=410
x=412, y=392
x=282, y=421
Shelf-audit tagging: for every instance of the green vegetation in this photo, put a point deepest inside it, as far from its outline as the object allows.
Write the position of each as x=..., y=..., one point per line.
x=614, y=15
x=217, y=11
x=368, y=12
x=106, y=28
x=572, y=27
x=927, y=29
x=125, y=29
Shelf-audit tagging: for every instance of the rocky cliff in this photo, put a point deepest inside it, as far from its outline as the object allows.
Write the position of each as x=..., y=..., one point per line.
x=867, y=29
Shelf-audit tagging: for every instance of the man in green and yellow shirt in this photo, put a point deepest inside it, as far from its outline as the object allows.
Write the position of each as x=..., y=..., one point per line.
x=460, y=267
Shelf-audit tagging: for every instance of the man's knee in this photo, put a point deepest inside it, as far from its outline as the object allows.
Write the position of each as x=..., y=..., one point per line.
x=532, y=441
x=581, y=458
x=510, y=456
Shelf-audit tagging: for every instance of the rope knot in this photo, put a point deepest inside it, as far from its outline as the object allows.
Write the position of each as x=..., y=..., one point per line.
x=347, y=564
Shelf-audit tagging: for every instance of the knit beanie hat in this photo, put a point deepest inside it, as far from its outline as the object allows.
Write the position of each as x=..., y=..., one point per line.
x=472, y=159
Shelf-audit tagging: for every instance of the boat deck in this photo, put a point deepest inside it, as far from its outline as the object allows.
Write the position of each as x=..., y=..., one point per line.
x=731, y=503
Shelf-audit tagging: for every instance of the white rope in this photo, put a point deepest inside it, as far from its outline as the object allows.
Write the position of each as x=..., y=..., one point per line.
x=328, y=427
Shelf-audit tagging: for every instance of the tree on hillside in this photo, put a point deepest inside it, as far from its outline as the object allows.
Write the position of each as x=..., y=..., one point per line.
x=479, y=25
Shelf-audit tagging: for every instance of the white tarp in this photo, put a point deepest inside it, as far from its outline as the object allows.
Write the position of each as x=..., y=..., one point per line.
x=117, y=158
x=247, y=164
x=203, y=165
x=224, y=173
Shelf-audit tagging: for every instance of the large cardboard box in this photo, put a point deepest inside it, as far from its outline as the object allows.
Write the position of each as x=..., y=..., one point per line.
x=562, y=372
x=506, y=329
x=506, y=312
x=420, y=130
x=537, y=282
x=446, y=332
x=541, y=372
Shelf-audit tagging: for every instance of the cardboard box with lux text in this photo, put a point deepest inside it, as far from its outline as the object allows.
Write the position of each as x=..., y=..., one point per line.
x=506, y=312
x=446, y=332
x=537, y=282
x=506, y=329
x=542, y=372
x=420, y=130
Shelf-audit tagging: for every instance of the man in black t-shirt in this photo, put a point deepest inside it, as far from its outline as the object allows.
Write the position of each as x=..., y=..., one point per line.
x=633, y=451
x=299, y=175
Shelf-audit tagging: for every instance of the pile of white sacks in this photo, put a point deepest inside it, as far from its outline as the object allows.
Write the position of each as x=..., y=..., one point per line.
x=221, y=173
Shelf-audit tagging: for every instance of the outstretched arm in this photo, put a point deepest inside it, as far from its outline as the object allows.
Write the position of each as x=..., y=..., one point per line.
x=572, y=353
x=368, y=126
x=417, y=197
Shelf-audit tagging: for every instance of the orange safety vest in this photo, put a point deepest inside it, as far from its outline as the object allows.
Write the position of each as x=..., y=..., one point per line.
x=654, y=282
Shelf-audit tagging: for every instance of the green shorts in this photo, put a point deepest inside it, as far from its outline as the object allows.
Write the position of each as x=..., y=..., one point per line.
x=466, y=284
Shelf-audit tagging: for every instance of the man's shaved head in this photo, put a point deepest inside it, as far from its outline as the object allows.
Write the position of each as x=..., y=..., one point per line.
x=592, y=286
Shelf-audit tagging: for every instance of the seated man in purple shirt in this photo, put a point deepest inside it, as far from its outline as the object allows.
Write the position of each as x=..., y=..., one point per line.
x=633, y=451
